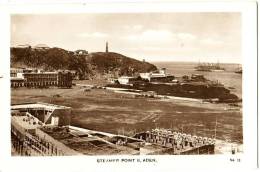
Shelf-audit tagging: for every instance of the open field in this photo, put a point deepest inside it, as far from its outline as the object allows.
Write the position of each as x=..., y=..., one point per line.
x=104, y=110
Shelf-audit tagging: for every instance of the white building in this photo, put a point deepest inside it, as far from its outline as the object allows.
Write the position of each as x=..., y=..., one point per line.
x=23, y=46
x=149, y=76
x=16, y=73
x=125, y=80
x=41, y=47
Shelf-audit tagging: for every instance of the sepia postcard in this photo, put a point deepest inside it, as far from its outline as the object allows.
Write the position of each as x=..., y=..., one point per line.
x=132, y=87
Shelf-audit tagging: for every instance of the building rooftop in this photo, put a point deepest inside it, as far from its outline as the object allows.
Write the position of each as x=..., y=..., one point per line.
x=155, y=75
x=23, y=45
x=16, y=79
x=26, y=122
x=41, y=46
x=149, y=148
x=36, y=73
x=126, y=77
x=38, y=105
x=16, y=68
x=89, y=142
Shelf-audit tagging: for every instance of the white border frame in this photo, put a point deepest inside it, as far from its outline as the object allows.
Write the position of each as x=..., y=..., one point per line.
x=164, y=163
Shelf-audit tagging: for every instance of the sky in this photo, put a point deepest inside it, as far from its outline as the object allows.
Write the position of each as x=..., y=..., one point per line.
x=204, y=37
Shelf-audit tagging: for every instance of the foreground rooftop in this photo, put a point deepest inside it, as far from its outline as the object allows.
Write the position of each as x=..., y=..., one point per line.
x=38, y=105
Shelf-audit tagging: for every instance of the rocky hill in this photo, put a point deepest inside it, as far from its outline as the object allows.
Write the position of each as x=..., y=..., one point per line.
x=86, y=65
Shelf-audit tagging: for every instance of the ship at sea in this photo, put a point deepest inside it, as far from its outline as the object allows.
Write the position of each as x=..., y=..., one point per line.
x=209, y=67
x=239, y=70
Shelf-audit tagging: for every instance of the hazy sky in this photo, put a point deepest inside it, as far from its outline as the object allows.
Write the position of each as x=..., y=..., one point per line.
x=151, y=36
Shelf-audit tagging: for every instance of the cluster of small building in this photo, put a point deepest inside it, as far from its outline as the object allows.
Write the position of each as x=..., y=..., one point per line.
x=40, y=47
x=157, y=76
x=181, y=143
x=160, y=76
x=36, y=47
x=35, y=78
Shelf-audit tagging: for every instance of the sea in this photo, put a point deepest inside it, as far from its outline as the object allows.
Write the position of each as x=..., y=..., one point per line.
x=229, y=78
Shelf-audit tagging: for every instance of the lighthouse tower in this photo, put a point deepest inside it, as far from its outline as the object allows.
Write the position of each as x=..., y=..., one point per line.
x=106, y=47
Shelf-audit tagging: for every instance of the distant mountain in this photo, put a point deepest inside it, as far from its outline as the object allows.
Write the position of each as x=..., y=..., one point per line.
x=86, y=65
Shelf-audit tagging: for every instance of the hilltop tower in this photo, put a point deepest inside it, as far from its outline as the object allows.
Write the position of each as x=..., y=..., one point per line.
x=106, y=47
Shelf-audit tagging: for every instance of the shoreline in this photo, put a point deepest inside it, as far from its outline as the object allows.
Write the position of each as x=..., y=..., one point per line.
x=180, y=100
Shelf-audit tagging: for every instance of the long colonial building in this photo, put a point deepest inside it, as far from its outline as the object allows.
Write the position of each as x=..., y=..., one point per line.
x=62, y=79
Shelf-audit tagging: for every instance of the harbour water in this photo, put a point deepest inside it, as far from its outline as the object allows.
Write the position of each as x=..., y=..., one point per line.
x=229, y=78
